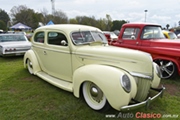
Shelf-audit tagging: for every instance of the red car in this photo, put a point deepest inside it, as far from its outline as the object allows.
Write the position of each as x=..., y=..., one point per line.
x=149, y=38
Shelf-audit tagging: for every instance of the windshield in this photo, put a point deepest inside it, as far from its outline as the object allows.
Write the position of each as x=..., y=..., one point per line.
x=152, y=32
x=12, y=38
x=84, y=37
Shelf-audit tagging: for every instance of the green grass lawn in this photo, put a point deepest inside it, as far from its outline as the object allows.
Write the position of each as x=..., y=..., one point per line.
x=27, y=97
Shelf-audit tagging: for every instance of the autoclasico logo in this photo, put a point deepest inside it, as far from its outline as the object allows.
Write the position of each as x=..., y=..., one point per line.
x=148, y=115
x=141, y=115
x=138, y=115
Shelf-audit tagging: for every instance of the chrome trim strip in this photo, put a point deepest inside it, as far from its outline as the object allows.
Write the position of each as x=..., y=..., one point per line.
x=57, y=50
x=141, y=75
x=102, y=58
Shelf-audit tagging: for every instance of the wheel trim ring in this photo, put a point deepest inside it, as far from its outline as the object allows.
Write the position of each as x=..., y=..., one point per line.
x=30, y=66
x=166, y=73
x=90, y=101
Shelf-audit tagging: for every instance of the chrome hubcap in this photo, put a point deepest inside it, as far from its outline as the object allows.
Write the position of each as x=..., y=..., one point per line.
x=96, y=93
x=167, y=68
x=30, y=64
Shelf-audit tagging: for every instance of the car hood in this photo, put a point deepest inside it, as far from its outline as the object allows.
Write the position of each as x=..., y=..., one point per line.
x=169, y=43
x=133, y=61
x=15, y=44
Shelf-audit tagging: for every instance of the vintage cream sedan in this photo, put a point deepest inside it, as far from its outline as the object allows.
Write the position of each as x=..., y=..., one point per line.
x=77, y=58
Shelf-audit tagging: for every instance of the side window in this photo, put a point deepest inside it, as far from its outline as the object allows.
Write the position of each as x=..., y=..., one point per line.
x=131, y=33
x=39, y=37
x=56, y=38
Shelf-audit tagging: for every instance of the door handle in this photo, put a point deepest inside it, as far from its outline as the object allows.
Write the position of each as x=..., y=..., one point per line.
x=45, y=53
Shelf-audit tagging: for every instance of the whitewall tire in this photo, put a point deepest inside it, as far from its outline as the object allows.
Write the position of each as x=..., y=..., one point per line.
x=94, y=97
x=30, y=66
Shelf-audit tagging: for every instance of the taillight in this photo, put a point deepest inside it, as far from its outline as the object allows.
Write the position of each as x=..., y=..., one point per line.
x=10, y=49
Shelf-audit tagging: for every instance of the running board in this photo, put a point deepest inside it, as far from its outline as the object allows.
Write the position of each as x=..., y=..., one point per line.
x=56, y=82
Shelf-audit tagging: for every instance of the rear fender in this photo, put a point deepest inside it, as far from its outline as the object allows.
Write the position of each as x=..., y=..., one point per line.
x=31, y=55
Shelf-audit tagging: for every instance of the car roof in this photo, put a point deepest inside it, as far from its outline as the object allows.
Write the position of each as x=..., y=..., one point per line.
x=140, y=24
x=68, y=27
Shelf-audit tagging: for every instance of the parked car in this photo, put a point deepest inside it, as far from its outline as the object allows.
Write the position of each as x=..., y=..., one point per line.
x=178, y=35
x=29, y=35
x=148, y=37
x=110, y=35
x=12, y=44
x=169, y=34
x=77, y=58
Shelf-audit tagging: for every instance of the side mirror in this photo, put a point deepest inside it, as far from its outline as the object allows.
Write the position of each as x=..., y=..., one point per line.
x=133, y=37
x=64, y=43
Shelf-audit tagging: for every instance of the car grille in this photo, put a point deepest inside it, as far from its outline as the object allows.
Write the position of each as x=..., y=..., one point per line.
x=143, y=87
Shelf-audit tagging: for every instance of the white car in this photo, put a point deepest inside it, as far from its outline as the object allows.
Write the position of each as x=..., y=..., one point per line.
x=12, y=44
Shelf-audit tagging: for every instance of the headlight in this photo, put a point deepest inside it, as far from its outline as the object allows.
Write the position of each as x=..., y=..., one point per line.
x=126, y=83
x=157, y=70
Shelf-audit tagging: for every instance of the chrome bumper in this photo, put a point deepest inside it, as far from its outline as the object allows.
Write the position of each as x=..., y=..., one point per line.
x=144, y=103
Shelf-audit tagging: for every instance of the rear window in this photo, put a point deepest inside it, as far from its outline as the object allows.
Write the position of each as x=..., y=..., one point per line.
x=12, y=38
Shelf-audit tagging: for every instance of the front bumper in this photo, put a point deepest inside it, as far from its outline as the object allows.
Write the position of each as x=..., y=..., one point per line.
x=16, y=53
x=144, y=103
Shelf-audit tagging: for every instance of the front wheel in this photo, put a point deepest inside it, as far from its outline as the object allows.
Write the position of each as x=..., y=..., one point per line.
x=168, y=68
x=94, y=97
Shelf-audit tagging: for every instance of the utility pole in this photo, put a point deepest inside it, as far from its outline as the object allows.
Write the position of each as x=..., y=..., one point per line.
x=145, y=15
x=53, y=7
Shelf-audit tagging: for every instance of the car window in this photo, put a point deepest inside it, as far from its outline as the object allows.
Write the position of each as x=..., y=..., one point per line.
x=152, y=32
x=56, y=38
x=131, y=33
x=39, y=37
x=12, y=38
x=84, y=37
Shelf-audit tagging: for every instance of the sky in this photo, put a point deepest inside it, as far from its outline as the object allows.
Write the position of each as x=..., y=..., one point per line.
x=162, y=12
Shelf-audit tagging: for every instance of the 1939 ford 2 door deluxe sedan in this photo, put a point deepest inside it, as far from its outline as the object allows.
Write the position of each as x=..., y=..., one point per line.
x=77, y=58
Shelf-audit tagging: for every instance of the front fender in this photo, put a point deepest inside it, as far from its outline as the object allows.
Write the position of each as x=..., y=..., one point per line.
x=107, y=78
x=156, y=79
x=31, y=55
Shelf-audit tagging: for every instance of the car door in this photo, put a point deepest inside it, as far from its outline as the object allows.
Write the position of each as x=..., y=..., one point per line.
x=130, y=39
x=55, y=57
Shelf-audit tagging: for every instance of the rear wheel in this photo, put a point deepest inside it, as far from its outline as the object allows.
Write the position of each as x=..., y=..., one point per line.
x=94, y=97
x=30, y=66
x=168, y=68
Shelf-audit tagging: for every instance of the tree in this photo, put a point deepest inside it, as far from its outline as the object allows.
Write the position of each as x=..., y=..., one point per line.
x=117, y=24
x=26, y=16
x=101, y=24
x=85, y=20
x=44, y=17
x=2, y=25
x=59, y=17
x=4, y=17
x=73, y=21
x=167, y=26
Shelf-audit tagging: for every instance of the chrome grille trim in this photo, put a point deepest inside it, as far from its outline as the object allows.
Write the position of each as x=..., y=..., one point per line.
x=143, y=87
